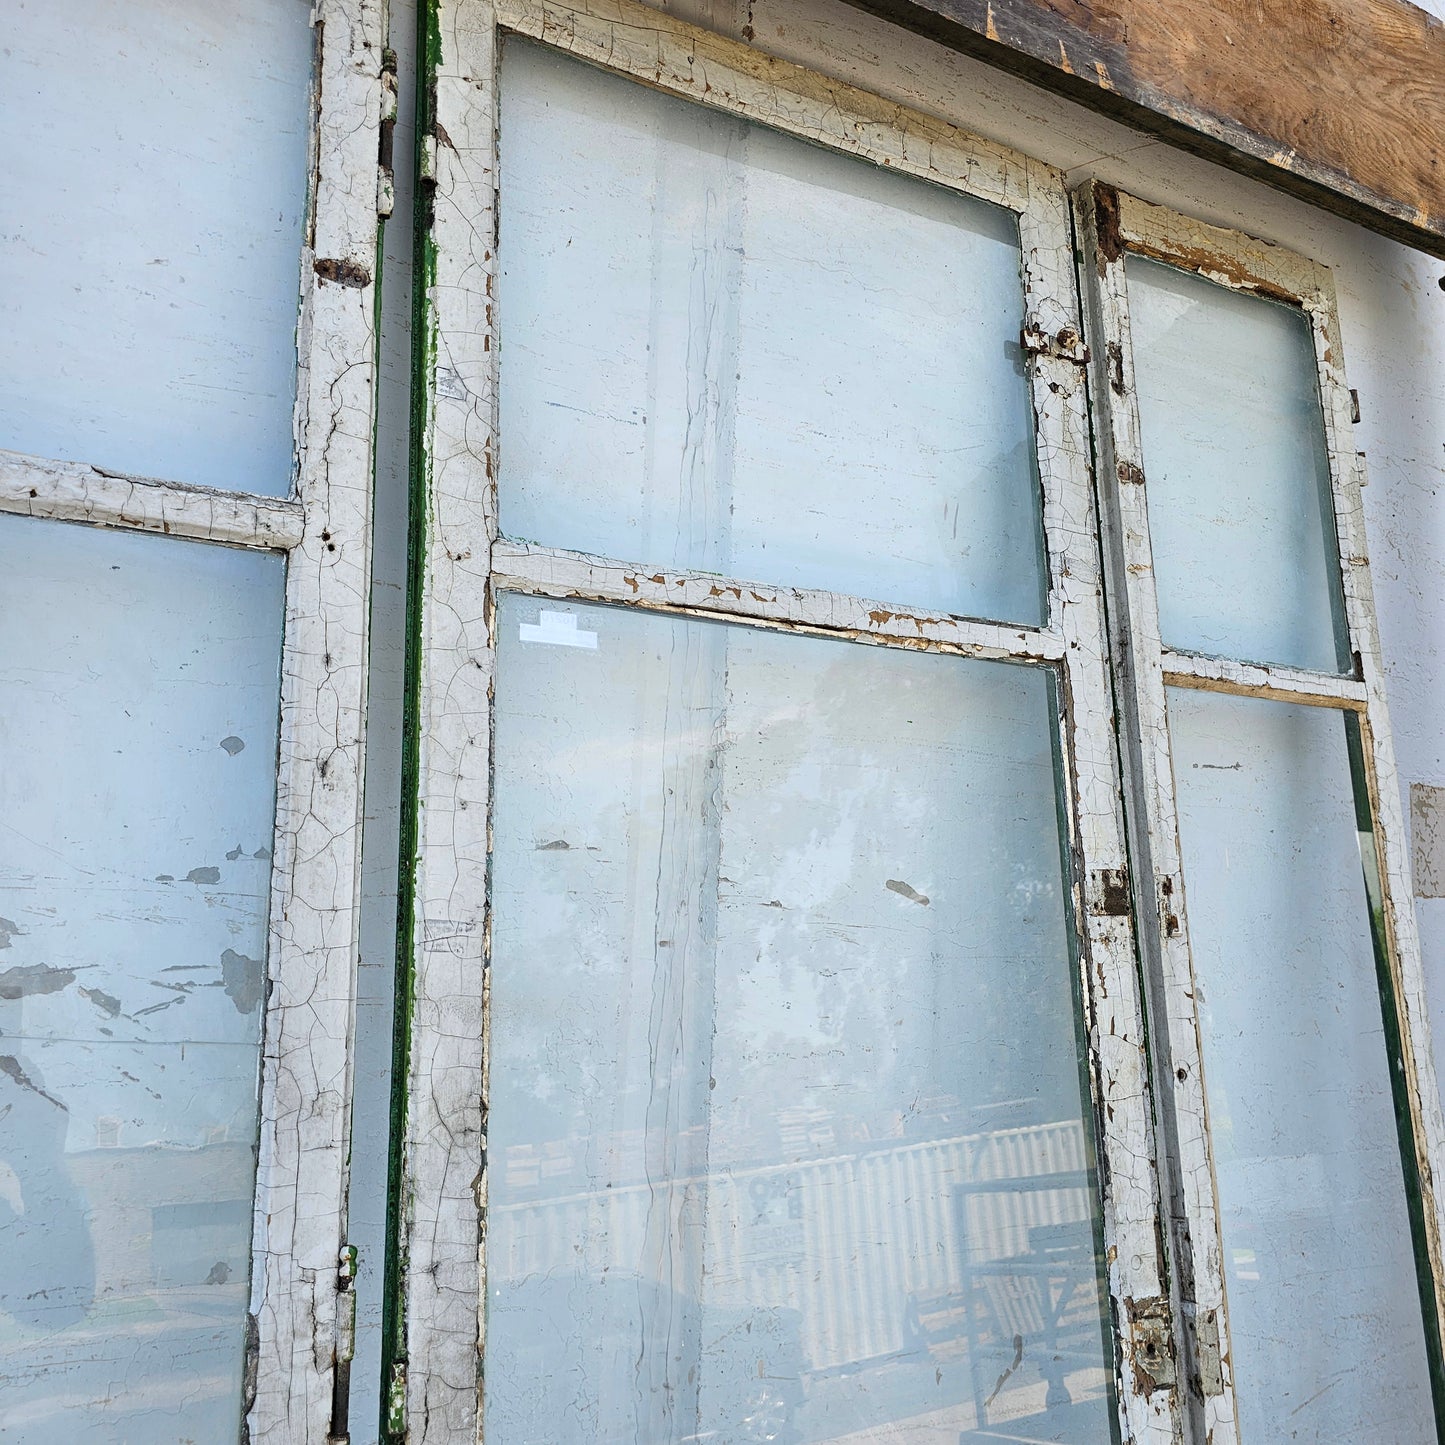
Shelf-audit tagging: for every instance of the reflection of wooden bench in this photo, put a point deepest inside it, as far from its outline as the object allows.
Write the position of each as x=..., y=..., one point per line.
x=1044, y=1295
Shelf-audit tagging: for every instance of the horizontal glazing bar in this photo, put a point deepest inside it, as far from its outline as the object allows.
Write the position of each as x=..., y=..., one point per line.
x=76, y=492
x=519, y=567
x=1289, y=684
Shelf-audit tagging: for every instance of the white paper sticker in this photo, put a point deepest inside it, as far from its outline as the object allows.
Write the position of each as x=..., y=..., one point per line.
x=558, y=628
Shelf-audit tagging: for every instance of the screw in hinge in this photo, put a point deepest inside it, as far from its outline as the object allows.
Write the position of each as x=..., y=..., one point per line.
x=1354, y=406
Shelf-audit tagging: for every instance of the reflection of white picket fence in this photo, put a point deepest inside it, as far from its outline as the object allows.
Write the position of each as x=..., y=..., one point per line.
x=845, y=1240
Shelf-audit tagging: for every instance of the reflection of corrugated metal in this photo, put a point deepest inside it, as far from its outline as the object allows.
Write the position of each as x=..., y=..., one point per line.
x=846, y=1239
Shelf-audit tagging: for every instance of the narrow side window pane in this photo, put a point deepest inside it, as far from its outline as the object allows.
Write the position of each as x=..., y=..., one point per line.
x=726, y=350
x=1320, y=1269
x=138, y=712
x=1240, y=517
x=155, y=191
x=786, y=1126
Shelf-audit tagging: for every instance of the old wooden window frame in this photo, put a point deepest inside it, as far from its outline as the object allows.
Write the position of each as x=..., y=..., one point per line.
x=1113, y=225
x=464, y=563
x=299, y=1337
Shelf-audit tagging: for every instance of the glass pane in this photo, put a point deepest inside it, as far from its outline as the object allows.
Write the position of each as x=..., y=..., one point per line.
x=726, y=350
x=155, y=192
x=1240, y=517
x=785, y=1121
x=1324, y=1304
x=138, y=707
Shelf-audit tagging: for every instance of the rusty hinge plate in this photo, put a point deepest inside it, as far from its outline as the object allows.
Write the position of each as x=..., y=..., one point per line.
x=1206, y=1344
x=1151, y=1345
x=1109, y=893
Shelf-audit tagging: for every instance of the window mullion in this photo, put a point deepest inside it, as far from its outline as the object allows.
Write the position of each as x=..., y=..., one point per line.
x=1139, y=1280
x=438, y=1282
x=302, y=1330
x=1197, y=1285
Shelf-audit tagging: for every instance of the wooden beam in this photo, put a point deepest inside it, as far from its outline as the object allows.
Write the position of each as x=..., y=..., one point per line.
x=1341, y=102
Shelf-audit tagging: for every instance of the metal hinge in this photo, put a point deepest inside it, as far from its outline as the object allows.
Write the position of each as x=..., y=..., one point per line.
x=1064, y=344
x=1151, y=1345
x=385, y=175
x=1109, y=894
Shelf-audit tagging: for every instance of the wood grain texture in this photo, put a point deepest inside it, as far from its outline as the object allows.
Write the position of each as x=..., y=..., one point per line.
x=1339, y=103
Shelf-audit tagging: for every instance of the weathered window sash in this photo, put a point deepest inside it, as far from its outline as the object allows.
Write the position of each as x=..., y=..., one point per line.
x=300, y=1300
x=1112, y=225
x=439, y=1352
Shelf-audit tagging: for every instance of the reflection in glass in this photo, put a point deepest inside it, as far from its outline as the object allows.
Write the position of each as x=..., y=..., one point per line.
x=138, y=713
x=726, y=350
x=1324, y=1305
x=155, y=200
x=1240, y=517
x=785, y=1107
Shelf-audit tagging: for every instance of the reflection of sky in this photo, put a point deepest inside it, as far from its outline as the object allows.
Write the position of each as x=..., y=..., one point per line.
x=141, y=675
x=709, y=318
x=829, y=790
x=138, y=807
x=1313, y=1213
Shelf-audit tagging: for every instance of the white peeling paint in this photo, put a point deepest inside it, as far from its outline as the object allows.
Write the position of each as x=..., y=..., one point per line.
x=301, y=1312
x=75, y=492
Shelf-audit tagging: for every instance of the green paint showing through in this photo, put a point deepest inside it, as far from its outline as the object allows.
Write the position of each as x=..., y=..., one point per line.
x=394, y=1353
x=1399, y=1082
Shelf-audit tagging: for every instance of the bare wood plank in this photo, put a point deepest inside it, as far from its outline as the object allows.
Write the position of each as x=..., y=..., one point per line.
x=1345, y=123
x=77, y=492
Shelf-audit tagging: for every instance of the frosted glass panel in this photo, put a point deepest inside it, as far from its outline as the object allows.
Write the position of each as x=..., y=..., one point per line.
x=1319, y=1269
x=138, y=707
x=785, y=1125
x=724, y=349
x=155, y=191
x=1237, y=481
